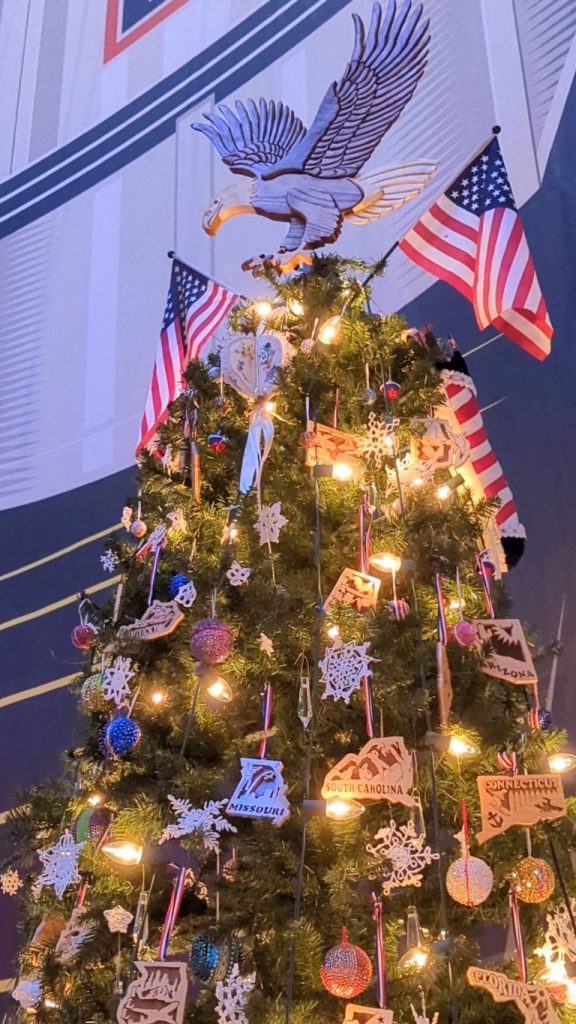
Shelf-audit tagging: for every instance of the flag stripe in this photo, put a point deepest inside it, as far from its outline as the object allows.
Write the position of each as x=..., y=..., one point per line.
x=195, y=309
x=472, y=238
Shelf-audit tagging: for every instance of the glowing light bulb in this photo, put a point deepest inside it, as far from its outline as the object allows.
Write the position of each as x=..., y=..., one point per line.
x=262, y=308
x=270, y=407
x=233, y=533
x=220, y=690
x=386, y=562
x=295, y=307
x=417, y=954
x=94, y=799
x=460, y=746
x=343, y=810
x=50, y=1004
x=455, y=604
x=157, y=697
x=560, y=763
x=329, y=331
x=342, y=471
x=333, y=631
x=123, y=851
x=443, y=492
x=417, y=481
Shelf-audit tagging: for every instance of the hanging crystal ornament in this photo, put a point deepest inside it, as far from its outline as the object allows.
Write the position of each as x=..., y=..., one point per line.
x=305, y=712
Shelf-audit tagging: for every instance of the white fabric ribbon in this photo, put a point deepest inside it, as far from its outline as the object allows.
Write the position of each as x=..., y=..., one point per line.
x=258, y=445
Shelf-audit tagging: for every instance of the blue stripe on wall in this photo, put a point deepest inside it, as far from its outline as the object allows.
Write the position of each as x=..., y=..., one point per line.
x=171, y=108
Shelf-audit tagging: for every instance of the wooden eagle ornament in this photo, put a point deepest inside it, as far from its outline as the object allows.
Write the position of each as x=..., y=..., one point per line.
x=313, y=178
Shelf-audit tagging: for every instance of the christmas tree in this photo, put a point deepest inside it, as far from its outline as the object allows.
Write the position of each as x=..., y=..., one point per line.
x=288, y=706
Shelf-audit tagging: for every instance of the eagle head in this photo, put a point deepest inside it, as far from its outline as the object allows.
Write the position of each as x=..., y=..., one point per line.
x=229, y=202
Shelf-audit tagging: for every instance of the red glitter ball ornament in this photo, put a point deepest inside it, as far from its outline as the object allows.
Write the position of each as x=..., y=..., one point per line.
x=347, y=970
x=211, y=641
x=464, y=633
x=392, y=390
x=83, y=636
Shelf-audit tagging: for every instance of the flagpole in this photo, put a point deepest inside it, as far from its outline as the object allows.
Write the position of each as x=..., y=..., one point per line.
x=172, y=256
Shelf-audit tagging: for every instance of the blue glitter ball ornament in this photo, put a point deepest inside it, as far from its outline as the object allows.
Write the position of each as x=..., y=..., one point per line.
x=122, y=734
x=204, y=957
x=178, y=580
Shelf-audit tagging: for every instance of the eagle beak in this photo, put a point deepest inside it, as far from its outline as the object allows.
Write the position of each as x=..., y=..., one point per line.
x=212, y=220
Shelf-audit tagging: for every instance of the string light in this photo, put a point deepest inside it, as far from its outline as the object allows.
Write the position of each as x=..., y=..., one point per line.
x=263, y=309
x=386, y=562
x=295, y=307
x=343, y=810
x=342, y=471
x=157, y=697
x=50, y=1004
x=329, y=331
x=417, y=482
x=233, y=533
x=561, y=763
x=456, y=604
x=220, y=690
x=333, y=631
x=94, y=799
x=123, y=851
x=461, y=746
x=270, y=407
x=443, y=492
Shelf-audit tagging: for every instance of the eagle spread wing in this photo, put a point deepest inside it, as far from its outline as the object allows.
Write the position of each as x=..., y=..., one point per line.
x=254, y=138
x=356, y=112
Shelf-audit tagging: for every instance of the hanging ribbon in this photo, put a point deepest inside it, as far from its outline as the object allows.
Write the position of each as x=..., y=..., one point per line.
x=258, y=445
x=466, y=850
x=267, y=716
x=368, y=706
x=485, y=568
x=336, y=409
x=380, y=953
x=508, y=762
x=518, y=936
x=157, y=557
x=441, y=618
x=172, y=912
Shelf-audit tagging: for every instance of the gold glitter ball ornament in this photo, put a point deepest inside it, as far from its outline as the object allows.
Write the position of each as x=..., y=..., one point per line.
x=469, y=881
x=532, y=880
x=347, y=970
x=91, y=696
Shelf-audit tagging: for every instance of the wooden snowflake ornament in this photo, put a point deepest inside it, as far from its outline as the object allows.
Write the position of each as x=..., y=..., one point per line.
x=403, y=854
x=118, y=919
x=343, y=668
x=231, y=997
x=115, y=681
x=208, y=821
x=238, y=574
x=10, y=882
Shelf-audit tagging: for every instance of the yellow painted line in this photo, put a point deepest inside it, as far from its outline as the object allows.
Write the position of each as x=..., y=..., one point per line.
x=71, y=599
x=6, y=984
x=36, y=691
x=62, y=551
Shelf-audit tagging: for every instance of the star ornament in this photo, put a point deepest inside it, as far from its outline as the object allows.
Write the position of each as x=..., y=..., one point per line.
x=343, y=669
x=60, y=864
x=269, y=523
x=118, y=919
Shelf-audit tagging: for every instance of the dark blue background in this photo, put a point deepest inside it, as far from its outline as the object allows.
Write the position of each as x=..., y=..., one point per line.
x=134, y=11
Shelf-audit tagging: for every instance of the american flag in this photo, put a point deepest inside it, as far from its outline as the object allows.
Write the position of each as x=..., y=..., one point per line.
x=195, y=308
x=472, y=238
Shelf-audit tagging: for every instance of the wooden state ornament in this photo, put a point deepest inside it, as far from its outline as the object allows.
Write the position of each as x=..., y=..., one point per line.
x=157, y=995
x=532, y=1000
x=160, y=619
x=507, y=800
x=382, y=770
x=505, y=653
x=356, y=1014
x=356, y=589
x=326, y=445
x=261, y=791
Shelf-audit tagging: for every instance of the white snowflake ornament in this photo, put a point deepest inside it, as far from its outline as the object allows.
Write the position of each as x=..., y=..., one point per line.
x=206, y=820
x=269, y=523
x=186, y=594
x=178, y=522
x=423, y=1018
x=126, y=517
x=118, y=919
x=10, y=882
x=109, y=560
x=560, y=937
x=60, y=864
x=238, y=575
x=73, y=935
x=404, y=850
x=265, y=644
x=232, y=995
x=115, y=681
x=28, y=993
x=379, y=440
x=343, y=668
